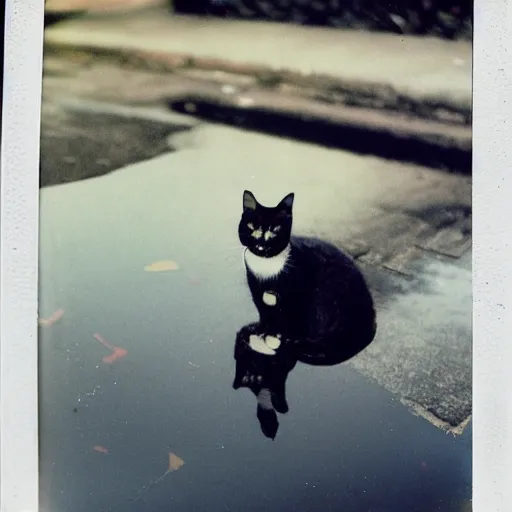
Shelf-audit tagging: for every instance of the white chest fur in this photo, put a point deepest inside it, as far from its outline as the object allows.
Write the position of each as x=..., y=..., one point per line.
x=266, y=268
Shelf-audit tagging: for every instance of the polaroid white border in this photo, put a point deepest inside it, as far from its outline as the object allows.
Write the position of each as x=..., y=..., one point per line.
x=492, y=284
x=19, y=217
x=492, y=253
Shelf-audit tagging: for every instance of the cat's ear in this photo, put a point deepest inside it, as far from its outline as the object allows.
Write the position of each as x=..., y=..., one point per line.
x=287, y=203
x=250, y=203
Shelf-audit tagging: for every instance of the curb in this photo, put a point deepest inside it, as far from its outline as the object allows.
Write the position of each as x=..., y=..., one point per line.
x=325, y=88
x=363, y=131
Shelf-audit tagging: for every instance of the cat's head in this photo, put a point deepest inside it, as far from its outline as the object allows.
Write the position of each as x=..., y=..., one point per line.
x=264, y=230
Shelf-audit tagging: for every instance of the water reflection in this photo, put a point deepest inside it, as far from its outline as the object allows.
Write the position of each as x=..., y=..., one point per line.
x=265, y=375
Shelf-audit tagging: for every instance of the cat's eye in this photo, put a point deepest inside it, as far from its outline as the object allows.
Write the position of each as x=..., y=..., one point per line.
x=250, y=225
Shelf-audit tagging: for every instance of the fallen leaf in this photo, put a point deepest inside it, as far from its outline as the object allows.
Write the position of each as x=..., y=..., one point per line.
x=117, y=352
x=162, y=266
x=175, y=462
x=53, y=319
x=100, y=449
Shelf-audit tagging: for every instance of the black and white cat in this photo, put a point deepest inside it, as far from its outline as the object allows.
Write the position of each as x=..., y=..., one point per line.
x=308, y=293
x=313, y=302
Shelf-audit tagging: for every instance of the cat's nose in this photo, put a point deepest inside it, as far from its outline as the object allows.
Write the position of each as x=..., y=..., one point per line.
x=259, y=248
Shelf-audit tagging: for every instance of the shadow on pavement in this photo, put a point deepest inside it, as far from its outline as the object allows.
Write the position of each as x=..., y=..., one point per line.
x=391, y=142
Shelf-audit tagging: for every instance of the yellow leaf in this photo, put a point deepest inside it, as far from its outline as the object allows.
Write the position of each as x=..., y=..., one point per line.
x=162, y=266
x=175, y=462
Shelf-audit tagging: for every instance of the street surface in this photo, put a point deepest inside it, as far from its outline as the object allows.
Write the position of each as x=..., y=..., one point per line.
x=367, y=435
x=426, y=71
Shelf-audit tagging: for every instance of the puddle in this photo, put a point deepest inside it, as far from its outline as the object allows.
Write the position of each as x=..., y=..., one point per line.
x=107, y=429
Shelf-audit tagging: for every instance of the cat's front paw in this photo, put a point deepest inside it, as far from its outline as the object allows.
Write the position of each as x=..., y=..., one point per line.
x=273, y=342
x=247, y=378
x=258, y=344
x=251, y=379
x=266, y=344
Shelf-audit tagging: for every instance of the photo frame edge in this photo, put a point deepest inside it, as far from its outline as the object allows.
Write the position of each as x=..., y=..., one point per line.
x=19, y=204
x=19, y=223
x=492, y=444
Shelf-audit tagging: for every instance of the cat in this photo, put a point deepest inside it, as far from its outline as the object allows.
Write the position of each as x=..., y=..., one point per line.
x=308, y=293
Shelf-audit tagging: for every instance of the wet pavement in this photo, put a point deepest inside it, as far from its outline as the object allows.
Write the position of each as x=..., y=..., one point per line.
x=81, y=145
x=349, y=441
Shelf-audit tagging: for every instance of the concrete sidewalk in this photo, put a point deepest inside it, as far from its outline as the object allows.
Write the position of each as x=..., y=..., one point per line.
x=395, y=69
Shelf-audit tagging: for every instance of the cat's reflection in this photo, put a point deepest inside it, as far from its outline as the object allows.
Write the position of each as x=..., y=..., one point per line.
x=265, y=372
x=313, y=303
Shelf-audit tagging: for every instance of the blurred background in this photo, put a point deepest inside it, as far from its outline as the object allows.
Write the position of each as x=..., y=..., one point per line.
x=449, y=18
x=155, y=117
